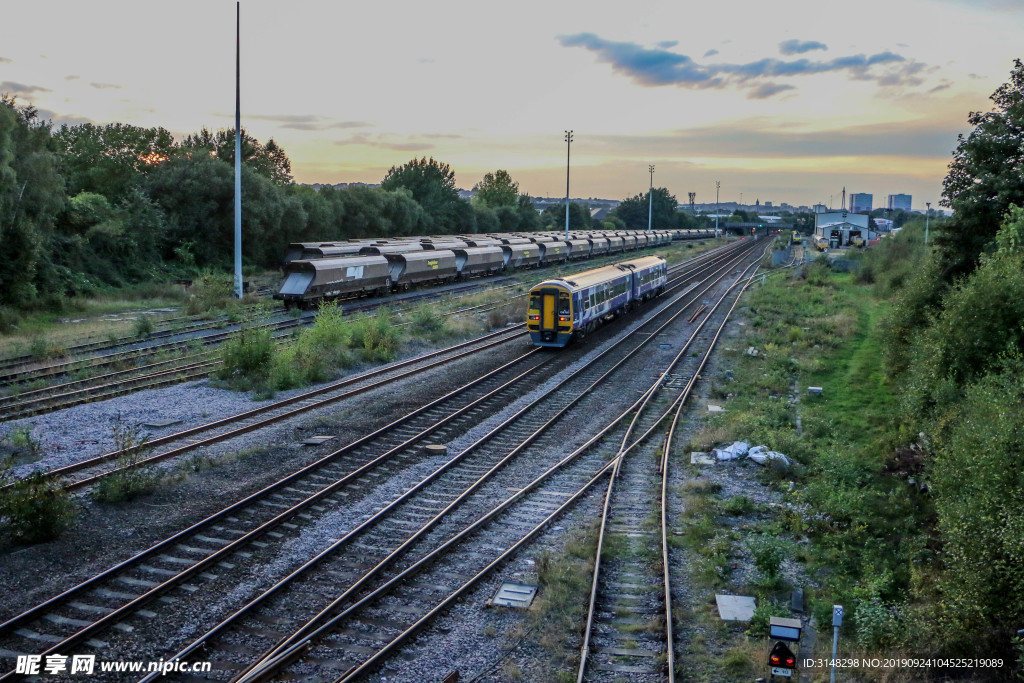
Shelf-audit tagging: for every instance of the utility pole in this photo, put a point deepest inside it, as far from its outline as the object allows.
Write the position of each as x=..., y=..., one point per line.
x=568, y=147
x=650, y=200
x=238, y=151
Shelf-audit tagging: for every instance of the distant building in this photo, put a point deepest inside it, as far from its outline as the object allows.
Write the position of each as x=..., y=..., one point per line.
x=899, y=201
x=819, y=208
x=860, y=201
x=841, y=229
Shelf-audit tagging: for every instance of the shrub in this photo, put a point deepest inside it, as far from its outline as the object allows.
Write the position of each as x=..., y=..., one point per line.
x=143, y=326
x=211, y=291
x=131, y=478
x=20, y=446
x=768, y=552
x=34, y=509
x=763, y=612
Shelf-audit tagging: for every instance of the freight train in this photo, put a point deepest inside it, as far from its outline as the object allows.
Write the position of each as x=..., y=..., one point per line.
x=323, y=271
x=567, y=308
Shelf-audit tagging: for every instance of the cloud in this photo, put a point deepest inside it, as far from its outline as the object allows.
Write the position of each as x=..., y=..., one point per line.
x=658, y=67
x=105, y=86
x=939, y=88
x=667, y=44
x=766, y=90
x=308, y=121
x=757, y=138
x=61, y=119
x=425, y=60
x=21, y=88
x=377, y=141
x=6, y=60
x=711, y=53
x=71, y=78
x=797, y=47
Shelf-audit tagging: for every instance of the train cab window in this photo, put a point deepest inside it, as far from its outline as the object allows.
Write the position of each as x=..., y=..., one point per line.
x=535, y=299
x=563, y=304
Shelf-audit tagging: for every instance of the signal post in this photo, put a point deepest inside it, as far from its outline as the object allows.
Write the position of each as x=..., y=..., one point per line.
x=781, y=659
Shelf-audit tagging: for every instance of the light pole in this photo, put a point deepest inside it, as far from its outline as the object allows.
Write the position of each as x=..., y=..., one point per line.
x=238, y=151
x=927, y=215
x=568, y=146
x=650, y=200
x=718, y=186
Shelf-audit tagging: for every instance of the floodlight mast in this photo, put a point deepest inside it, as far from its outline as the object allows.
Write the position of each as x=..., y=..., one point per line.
x=568, y=148
x=238, y=152
x=650, y=198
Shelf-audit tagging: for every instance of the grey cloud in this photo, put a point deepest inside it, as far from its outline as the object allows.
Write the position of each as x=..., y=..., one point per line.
x=657, y=67
x=425, y=60
x=308, y=121
x=766, y=90
x=796, y=47
x=105, y=86
x=666, y=44
x=444, y=136
x=366, y=139
x=71, y=78
x=61, y=119
x=21, y=88
x=939, y=88
x=756, y=139
x=711, y=53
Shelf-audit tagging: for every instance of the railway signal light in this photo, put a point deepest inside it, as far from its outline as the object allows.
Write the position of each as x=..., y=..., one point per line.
x=782, y=656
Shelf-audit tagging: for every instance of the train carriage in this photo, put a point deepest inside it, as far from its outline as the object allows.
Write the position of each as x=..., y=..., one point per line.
x=309, y=282
x=563, y=309
x=412, y=268
x=521, y=255
x=478, y=260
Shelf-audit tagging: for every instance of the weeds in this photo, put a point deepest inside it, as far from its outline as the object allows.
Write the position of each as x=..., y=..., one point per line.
x=131, y=479
x=143, y=326
x=20, y=446
x=33, y=509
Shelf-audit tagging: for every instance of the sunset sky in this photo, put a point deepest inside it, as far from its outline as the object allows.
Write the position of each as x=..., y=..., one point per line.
x=782, y=101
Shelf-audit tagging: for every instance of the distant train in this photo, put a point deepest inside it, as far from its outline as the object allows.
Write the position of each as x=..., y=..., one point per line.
x=567, y=308
x=798, y=237
x=320, y=271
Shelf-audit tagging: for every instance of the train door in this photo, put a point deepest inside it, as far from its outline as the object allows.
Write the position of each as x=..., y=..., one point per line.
x=547, y=315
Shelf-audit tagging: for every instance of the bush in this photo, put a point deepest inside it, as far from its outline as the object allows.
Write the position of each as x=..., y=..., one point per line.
x=247, y=355
x=768, y=552
x=211, y=291
x=316, y=353
x=377, y=339
x=34, y=509
x=143, y=326
x=131, y=480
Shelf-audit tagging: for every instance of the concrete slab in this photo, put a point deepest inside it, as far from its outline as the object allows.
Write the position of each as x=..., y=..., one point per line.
x=735, y=607
x=715, y=409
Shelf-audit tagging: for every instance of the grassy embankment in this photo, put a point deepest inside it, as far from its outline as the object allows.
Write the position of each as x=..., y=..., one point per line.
x=847, y=530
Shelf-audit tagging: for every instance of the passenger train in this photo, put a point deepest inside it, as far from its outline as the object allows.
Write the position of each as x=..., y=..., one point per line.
x=567, y=308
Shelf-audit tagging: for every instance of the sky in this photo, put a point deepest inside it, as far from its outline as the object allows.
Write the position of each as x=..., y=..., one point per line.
x=783, y=101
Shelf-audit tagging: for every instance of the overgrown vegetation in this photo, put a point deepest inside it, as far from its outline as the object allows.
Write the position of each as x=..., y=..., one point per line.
x=33, y=509
x=132, y=479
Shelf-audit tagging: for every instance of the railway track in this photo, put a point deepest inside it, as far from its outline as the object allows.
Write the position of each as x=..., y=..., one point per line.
x=429, y=503
x=291, y=498
x=88, y=471
x=629, y=627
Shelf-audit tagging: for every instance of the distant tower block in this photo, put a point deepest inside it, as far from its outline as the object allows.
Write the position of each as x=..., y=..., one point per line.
x=693, y=195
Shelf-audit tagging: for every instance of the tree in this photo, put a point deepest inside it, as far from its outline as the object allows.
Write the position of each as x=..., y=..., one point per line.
x=432, y=184
x=553, y=217
x=984, y=178
x=497, y=189
x=110, y=160
x=269, y=160
x=634, y=210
